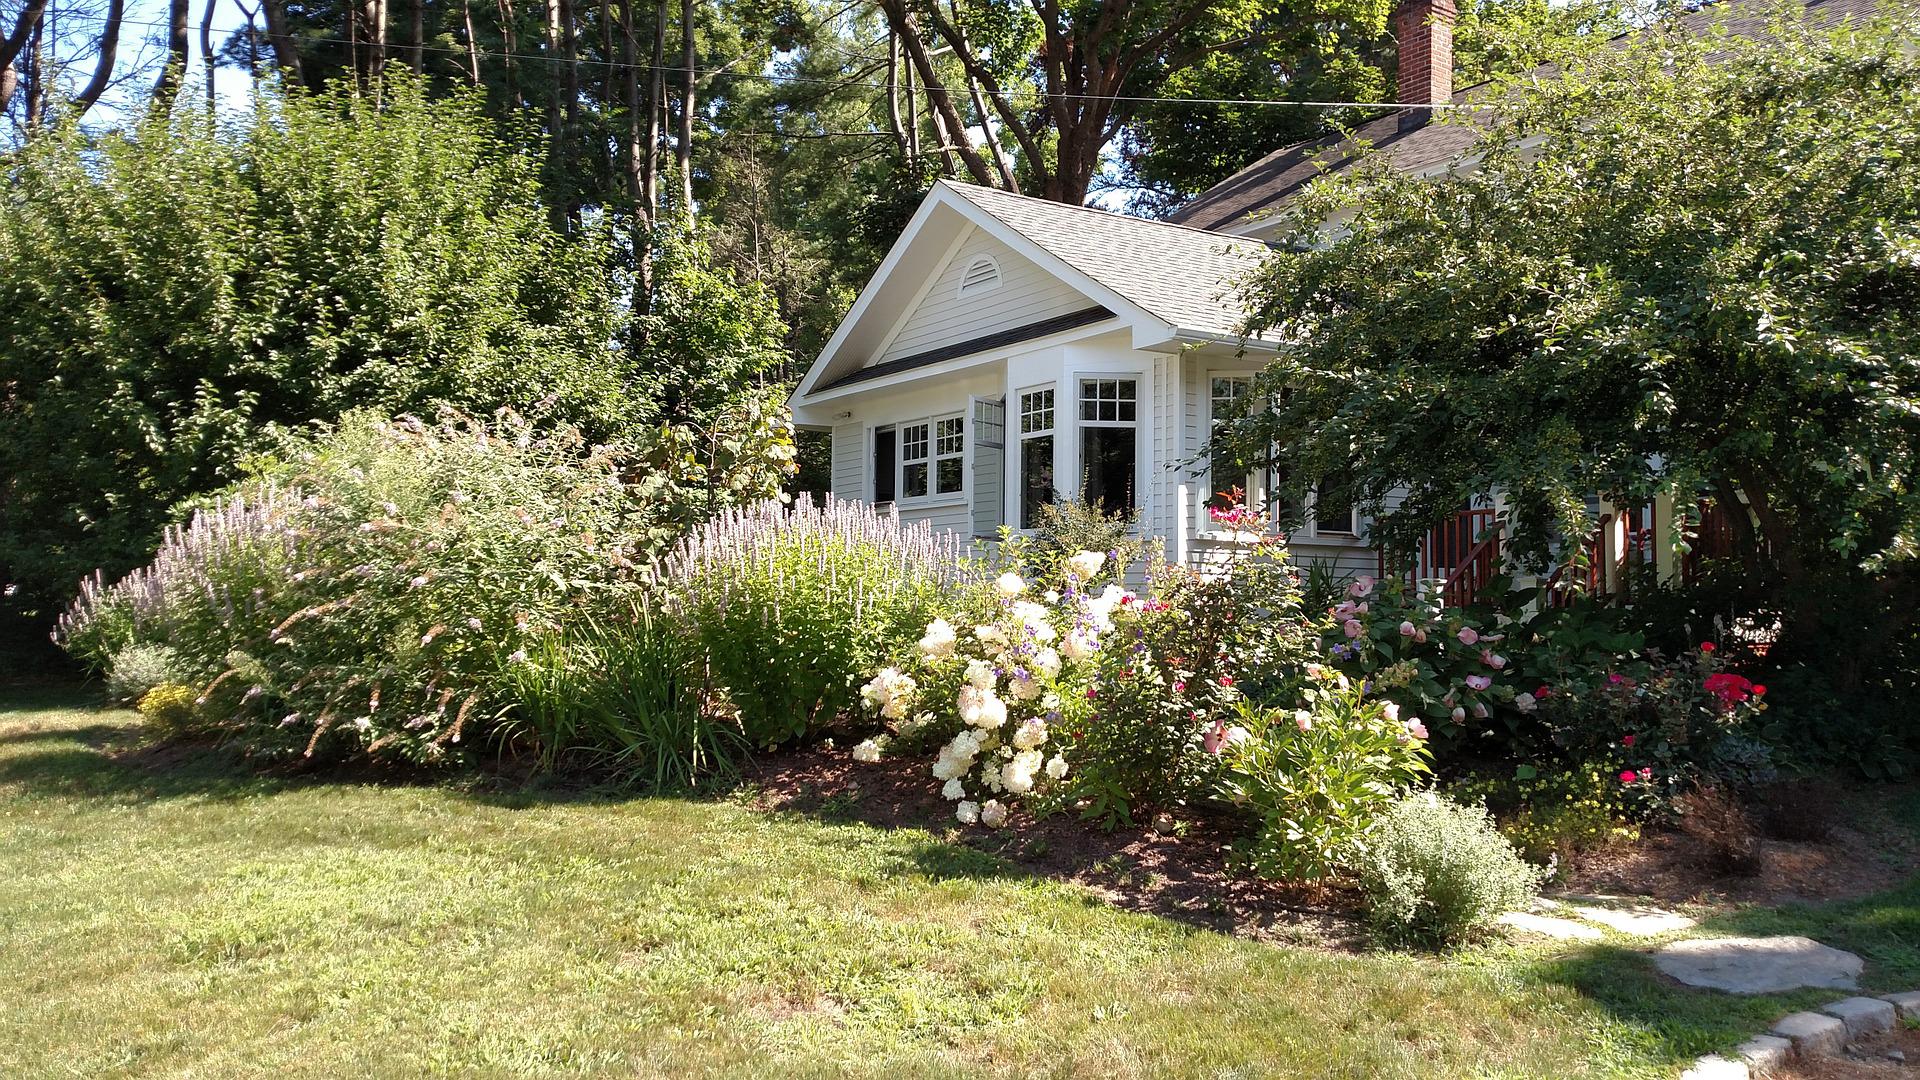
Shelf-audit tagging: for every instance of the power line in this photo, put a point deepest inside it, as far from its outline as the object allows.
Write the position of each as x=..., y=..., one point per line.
x=801, y=80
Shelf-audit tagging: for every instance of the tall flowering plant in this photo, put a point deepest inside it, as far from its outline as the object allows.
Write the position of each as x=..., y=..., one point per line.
x=998, y=682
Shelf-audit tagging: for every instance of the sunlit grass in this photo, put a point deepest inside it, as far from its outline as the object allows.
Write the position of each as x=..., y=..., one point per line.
x=180, y=916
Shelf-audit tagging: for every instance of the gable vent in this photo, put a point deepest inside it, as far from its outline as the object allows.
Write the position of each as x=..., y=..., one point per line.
x=983, y=275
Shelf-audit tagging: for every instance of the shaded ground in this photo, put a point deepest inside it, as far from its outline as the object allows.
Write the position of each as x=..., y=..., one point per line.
x=1868, y=1059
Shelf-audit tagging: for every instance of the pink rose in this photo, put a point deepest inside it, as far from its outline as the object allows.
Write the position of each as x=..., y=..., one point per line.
x=1417, y=729
x=1406, y=629
x=1478, y=682
x=1391, y=710
x=1468, y=636
x=1352, y=628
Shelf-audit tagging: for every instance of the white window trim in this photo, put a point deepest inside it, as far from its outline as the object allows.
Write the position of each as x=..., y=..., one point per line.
x=1254, y=483
x=1017, y=437
x=1142, y=435
x=933, y=497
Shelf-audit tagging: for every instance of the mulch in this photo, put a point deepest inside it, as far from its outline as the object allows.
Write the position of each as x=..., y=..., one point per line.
x=1178, y=872
x=1181, y=870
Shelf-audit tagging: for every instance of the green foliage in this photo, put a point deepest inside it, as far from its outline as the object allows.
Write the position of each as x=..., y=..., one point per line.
x=175, y=292
x=1555, y=817
x=790, y=607
x=1658, y=276
x=1438, y=875
x=705, y=336
x=138, y=667
x=1318, y=778
x=1067, y=526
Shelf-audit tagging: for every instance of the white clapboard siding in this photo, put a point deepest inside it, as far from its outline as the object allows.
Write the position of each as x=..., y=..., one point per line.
x=849, y=462
x=1025, y=294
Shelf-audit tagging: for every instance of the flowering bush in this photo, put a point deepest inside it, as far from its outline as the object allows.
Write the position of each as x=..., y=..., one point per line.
x=1318, y=777
x=1556, y=816
x=996, y=682
x=1187, y=656
x=791, y=606
x=168, y=709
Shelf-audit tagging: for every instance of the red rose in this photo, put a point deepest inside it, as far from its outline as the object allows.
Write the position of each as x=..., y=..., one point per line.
x=1706, y=646
x=1628, y=741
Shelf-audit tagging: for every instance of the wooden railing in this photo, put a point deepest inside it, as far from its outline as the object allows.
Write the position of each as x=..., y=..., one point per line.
x=1463, y=552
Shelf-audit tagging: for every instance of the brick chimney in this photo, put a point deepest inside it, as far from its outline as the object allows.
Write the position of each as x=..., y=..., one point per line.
x=1424, y=30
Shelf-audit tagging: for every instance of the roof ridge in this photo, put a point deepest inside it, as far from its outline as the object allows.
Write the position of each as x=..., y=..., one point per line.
x=961, y=187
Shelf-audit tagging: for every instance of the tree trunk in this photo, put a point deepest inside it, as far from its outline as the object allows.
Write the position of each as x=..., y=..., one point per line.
x=656, y=101
x=509, y=45
x=285, y=54
x=206, y=48
x=103, y=68
x=176, y=62
x=893, y=96
x=938, y=99
x=690, y=75
x=16, y=42
x=639, y=186
x=417, y=36
x=473, y=43
x=556, y=127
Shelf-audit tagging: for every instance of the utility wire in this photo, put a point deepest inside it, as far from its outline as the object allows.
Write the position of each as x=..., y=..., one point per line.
x=754, y=76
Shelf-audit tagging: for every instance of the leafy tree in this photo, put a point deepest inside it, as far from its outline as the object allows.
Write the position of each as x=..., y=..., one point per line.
x=1690, y=264
x=174, y=292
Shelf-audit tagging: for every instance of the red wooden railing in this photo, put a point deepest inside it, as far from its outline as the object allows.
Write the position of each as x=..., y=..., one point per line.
x=1463, y=551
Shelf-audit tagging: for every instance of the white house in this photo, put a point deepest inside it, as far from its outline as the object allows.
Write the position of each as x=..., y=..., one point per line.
x=1011, y=350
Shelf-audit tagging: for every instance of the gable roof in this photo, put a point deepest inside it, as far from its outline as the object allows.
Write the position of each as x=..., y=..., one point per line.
x=1167, y=282
x=1182, y=275
x=1414, y=146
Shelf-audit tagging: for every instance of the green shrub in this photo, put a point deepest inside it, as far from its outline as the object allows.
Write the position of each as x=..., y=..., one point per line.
x=1069, y=526
x=169, y=710
x=1438, y=874
x=793, y=606
x=1318, y=778
x=140, y=666
x=623, y=691
x=1553, y=818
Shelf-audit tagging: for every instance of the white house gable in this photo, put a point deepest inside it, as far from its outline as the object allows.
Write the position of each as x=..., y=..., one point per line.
x=985, y=287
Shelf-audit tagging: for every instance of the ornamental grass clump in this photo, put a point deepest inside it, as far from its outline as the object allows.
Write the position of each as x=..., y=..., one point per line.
x=1437, y=874
x=373, y=589
x=791, y=606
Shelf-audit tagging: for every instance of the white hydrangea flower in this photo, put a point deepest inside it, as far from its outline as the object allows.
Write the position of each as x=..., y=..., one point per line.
x=1024, y=689
x=953, y=790
x=1079, y=645
x=980, y=675
x=1030, y=734
x=939, y=640
x=1087, y=563
x=1016, y=775
x=991, y=636
x=968, y=812
x=992, y=814
x=1056, y=766
x=1045, y=663
x=1010, y=584
x=867, y=750
x=981, y=708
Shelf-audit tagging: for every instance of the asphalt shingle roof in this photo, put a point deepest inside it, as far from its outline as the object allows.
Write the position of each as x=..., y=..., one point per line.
x=1181, y=275
x=1264, y=185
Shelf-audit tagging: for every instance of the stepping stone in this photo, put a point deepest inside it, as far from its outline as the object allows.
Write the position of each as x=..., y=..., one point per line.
x=1813, y=1033
x=1766, y=965
x=1550, y=926
x=1763, y=1053
x=1863, y=1015
x=1908, y=1003
x=1715, y=1067
x=1641, y=921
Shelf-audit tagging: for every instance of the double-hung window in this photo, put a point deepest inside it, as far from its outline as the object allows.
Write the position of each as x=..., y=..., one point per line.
x=1109, y=437
x=1227, y=395
x=1036, y=453
x=932, y=457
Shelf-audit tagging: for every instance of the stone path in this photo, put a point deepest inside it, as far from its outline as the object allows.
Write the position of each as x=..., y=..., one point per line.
x=1767, y=965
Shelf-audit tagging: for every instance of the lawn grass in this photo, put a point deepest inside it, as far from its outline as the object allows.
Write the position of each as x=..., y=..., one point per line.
x=178, y=915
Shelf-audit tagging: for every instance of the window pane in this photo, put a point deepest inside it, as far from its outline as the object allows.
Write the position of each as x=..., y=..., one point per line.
x=1333, y=510
x=949, y=438
x=948, y=475
x=1106, y=464
x=1108, y=400
x=1036, y=477
x=883, y=465
x=913, y=442
x=913, y=480
x=1036, y=411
